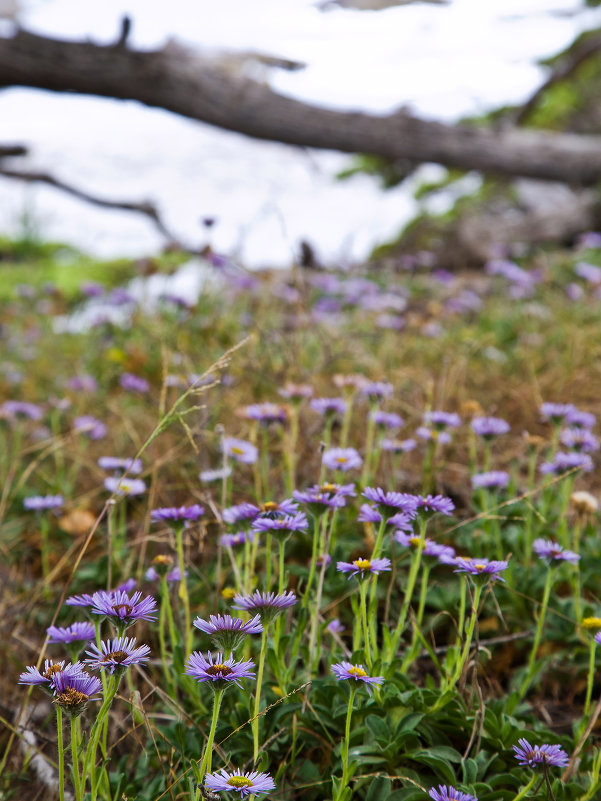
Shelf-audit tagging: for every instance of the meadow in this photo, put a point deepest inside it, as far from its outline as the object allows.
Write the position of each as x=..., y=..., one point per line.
x=314, y=535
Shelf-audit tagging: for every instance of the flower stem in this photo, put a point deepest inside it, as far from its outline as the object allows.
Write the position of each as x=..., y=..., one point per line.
x=366, y=632
x=205, y=765
x=183, y=587
x=61, y=754
x=346, y=745
x=526, y=789
x=77, y=783
x=537, y=637
x=468, y=638
x=255, y=719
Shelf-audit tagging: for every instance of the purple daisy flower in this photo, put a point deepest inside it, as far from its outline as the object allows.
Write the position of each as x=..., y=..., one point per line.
x=80, y=600
x=228, y=632
x=447, y=793
x=11, y=408
x=443, y=437
x=83, y=383
x=431, y=504
x=122, y=610
x=114, y=463
x=398, y=446
x=341, y=459
x=364, y=567
x=76, y=632
x=240, y=450
x=133, y=383
x=533, y=755
x=186, y=513
x=320, y=498
x=221, y=673
x=121, y=486
x=493, y=479
x=432, y=549
x=296, y=392
x=489, y=427
x=117, y=654
x=335, y=626
x=483, y=568
x=243, y=783
x=90, y=426
x=344, y=670
x=386, y=419
x=565, y=462
x=215, y=475
x=328, y=407
x=266, y=413
x=39, y=503
x=173, y=576
x=390, y=503
x=267, y=604
x=580, y=418
x=240, y=512
x=239, y=538
x=556, y=412
x=281, y=509
x=552, y=551
x=51, y=669
x=376, y=390
x=578, y=439
x=441, y=420
x=72, y=692
x=282, y=525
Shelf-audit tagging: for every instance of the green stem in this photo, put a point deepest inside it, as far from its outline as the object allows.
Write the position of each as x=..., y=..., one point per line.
x=537, y=637
x=526, y=789
x=61, y=753
x=257, y=706
x=205, y=765
x=77, y=783
x=366, y=632
x=183, y=588
x=590, y=680
x=468, y=638
x=282, y=569
x=369, y=445
x=412, y=652
x=317, y=523
x=346, y=745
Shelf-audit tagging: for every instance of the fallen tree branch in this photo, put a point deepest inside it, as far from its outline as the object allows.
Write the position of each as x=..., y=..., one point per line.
x=12, y=150
x=146, y=208
x=182, y=81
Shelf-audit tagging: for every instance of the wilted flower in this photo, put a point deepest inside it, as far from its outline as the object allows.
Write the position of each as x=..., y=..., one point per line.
x=240, y=450
x=364, y=567
x=341, y=459
x=344, y=670
x=243, y=783
x=221, y=673
x=117, y=654
x=584, y=503
x=228, y=632
x=533, y=755
x=552, y=551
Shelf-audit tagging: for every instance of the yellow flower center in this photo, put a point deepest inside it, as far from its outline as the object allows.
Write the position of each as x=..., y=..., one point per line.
x=239, y=781
x=362, y=564
x=479, y=566
x=228, y=593
x=237, y=450
x=52, y=671
x=591, y=623
x=270, y=506
x=341, y=459
x=327, y=488
x=415, y=541
x=357, y=671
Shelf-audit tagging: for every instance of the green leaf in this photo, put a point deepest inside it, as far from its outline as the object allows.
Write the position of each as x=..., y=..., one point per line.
x=470, y=770
x=378, y=789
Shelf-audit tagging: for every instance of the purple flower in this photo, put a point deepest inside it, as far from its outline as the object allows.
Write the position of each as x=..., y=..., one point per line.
x=551, y=551
x=215, y=475
x=579, y=418
x=282, y=525
x=83, y=383
x=566, y=462
x=267, y=604
x=90, y=426
x=296, y=392
x=533, y=755
x=364, y=567
x=20, y=409
x=590, y=272
x=152, y=574
x=239, y=538
x=341, y=459
x=72, y=692
x=327, y=496
x=376, y=390
x=431, y=504
x=243, y=783
x=114, y=463
x=117, y=654
x=39, y=503
x=220, y=672
x=80, y=600
x=448, y=793
x=133, y=383
x=228, y=632
x=494, y=479
x=240, y=450
x=76, y=632
x=122, y=610
x=278, y=509
x=441, y=420
x=328, y=407
x=443, y=437
x=176, y=513
x=386, y=419
x=556, y=412
x=266, y=413
x=335, y=626
x=121, y=486
x=344, y=670
x=481, y=568
x=398, y=446
x=431, y=548
x=240, y=512
x=489, y=427
x=51, y=670
x=579, y=439
x=390, y=503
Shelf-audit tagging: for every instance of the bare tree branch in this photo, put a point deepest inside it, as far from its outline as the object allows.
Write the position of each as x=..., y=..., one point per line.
x=182, y=81
x=146, y=208
x=12, y=150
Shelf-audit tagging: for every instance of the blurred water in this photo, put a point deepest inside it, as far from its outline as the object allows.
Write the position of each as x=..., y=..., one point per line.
x=441, y=61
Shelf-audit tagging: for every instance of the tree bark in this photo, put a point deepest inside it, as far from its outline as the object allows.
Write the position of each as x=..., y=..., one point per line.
x=182, y=81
